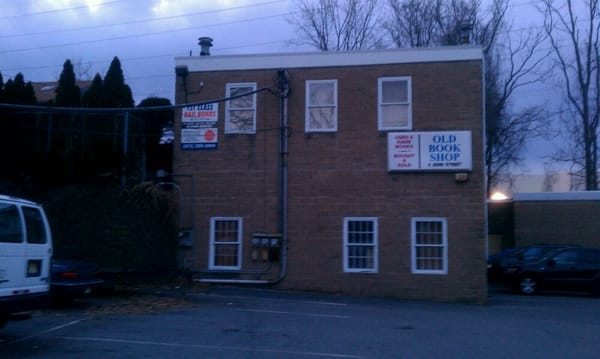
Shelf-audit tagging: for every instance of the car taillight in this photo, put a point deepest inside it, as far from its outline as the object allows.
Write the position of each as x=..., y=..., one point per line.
x=69, y=275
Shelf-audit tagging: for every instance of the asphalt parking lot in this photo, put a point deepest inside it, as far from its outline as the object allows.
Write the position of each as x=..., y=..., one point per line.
x=222, y=322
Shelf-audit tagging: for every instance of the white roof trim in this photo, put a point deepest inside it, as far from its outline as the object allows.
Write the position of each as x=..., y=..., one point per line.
x=330, y=58
x=557, y=196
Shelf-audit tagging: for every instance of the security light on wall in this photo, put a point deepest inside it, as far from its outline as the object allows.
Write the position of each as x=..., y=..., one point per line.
x=461, y=177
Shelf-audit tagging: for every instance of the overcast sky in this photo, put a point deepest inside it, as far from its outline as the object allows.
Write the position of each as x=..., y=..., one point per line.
x=37, y=36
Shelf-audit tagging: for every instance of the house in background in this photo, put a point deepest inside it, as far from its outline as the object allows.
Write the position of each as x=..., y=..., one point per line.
x=45, y=92
x=344, y=172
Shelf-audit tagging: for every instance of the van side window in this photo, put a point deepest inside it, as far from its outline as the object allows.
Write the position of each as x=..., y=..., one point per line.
x=36, y=233
x=11, y=230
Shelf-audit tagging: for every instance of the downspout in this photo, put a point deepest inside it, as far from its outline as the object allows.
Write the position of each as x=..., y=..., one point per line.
x=284, y=92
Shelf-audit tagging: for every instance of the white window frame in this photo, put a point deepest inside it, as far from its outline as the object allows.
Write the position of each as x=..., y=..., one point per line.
x=375, y=245
x=213, y=244
x=228, y=109
x=380, y=103
x=414, y=245
x=308, y=106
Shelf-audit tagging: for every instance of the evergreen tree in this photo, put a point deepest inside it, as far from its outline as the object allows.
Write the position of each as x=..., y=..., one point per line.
x=93, y=96
x=16, y=131
x=1, y=88
x=68, y=93
x=116, y=92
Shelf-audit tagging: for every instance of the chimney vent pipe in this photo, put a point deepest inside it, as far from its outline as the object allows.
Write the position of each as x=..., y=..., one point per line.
x=205, y=45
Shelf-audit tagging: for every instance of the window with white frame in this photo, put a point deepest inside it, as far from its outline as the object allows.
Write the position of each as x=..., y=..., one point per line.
x=429, y=242
x=360, y=244
x=225, y=243
x=321, y=106
x=240, y=112
x=395, y=103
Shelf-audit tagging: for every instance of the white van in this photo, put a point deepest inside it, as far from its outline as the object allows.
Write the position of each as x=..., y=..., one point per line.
x=25, y=253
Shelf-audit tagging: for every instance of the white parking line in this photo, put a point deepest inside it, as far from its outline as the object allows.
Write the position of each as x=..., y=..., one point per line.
x=43, y=332
x=215, y=347
x=295, y=313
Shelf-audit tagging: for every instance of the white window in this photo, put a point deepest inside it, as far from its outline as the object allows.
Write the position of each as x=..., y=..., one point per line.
x=395, y=103
x=240, y=112
x=225, y=243
x=360, y=244
x=321, y=106
x=429, y=242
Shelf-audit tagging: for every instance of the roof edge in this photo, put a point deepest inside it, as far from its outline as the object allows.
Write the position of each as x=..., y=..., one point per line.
x=557, y=196
x=330, y=58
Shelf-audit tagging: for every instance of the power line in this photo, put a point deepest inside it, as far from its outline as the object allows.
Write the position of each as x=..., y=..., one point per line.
x=46, y=12
x=142, y=21
x=140, y=35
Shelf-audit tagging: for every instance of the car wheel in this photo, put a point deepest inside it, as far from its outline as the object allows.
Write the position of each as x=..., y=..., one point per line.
x=527, y=285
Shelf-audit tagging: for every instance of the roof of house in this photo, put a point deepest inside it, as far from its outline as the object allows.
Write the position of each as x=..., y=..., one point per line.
x=46, y=91
x=330, y=58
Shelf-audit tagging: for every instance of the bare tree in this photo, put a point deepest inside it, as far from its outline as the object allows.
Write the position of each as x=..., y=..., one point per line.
x=575, y=42
x=82, y=69
x=414, y=23
x=338, y=25
x=511, y=64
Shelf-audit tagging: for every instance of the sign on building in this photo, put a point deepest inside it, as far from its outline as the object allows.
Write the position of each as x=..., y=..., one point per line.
x=430, y=151
x=199, y=127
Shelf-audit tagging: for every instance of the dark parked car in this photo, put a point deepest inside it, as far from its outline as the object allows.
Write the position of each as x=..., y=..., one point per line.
x=497, y=263
x=71, y=279
x=574, y=269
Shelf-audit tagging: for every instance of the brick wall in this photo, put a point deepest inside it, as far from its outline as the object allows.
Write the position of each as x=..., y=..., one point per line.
x=343, y=174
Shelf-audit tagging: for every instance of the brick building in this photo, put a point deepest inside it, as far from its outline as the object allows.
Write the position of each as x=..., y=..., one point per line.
x=545, y=217
x=345, y=172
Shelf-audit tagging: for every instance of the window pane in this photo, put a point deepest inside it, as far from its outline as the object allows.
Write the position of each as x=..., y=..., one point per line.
x=226, y=254
x=429, y=245
x=394, y=115
x=10, y=224
x=244, y=102
x=360, y=245
x=36, y=231
x=322, y=118
x=321, y=94
x=241, y=120
x=394, y=92
x=226, y=231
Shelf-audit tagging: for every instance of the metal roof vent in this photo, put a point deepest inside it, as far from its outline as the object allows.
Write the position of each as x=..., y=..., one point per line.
x=205, y=45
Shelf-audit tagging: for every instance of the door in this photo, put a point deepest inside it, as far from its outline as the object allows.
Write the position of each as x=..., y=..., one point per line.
x=564, y=271
x=12, y=248
x=38, y=249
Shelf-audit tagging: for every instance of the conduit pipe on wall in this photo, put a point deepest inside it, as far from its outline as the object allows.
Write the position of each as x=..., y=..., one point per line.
x=284, y=92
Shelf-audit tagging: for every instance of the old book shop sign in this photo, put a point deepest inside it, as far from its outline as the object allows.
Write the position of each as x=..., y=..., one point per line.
x=430, y=151
x=199, y=127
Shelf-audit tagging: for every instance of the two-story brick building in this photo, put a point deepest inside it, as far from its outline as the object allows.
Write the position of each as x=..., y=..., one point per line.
x=345, y=172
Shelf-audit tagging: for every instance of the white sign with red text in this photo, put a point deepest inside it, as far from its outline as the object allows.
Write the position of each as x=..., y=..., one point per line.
x=199, y=127
x=430, y=151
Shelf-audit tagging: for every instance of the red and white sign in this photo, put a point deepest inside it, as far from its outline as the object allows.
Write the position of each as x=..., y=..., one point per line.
x=430, y=151
x=199, y=127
